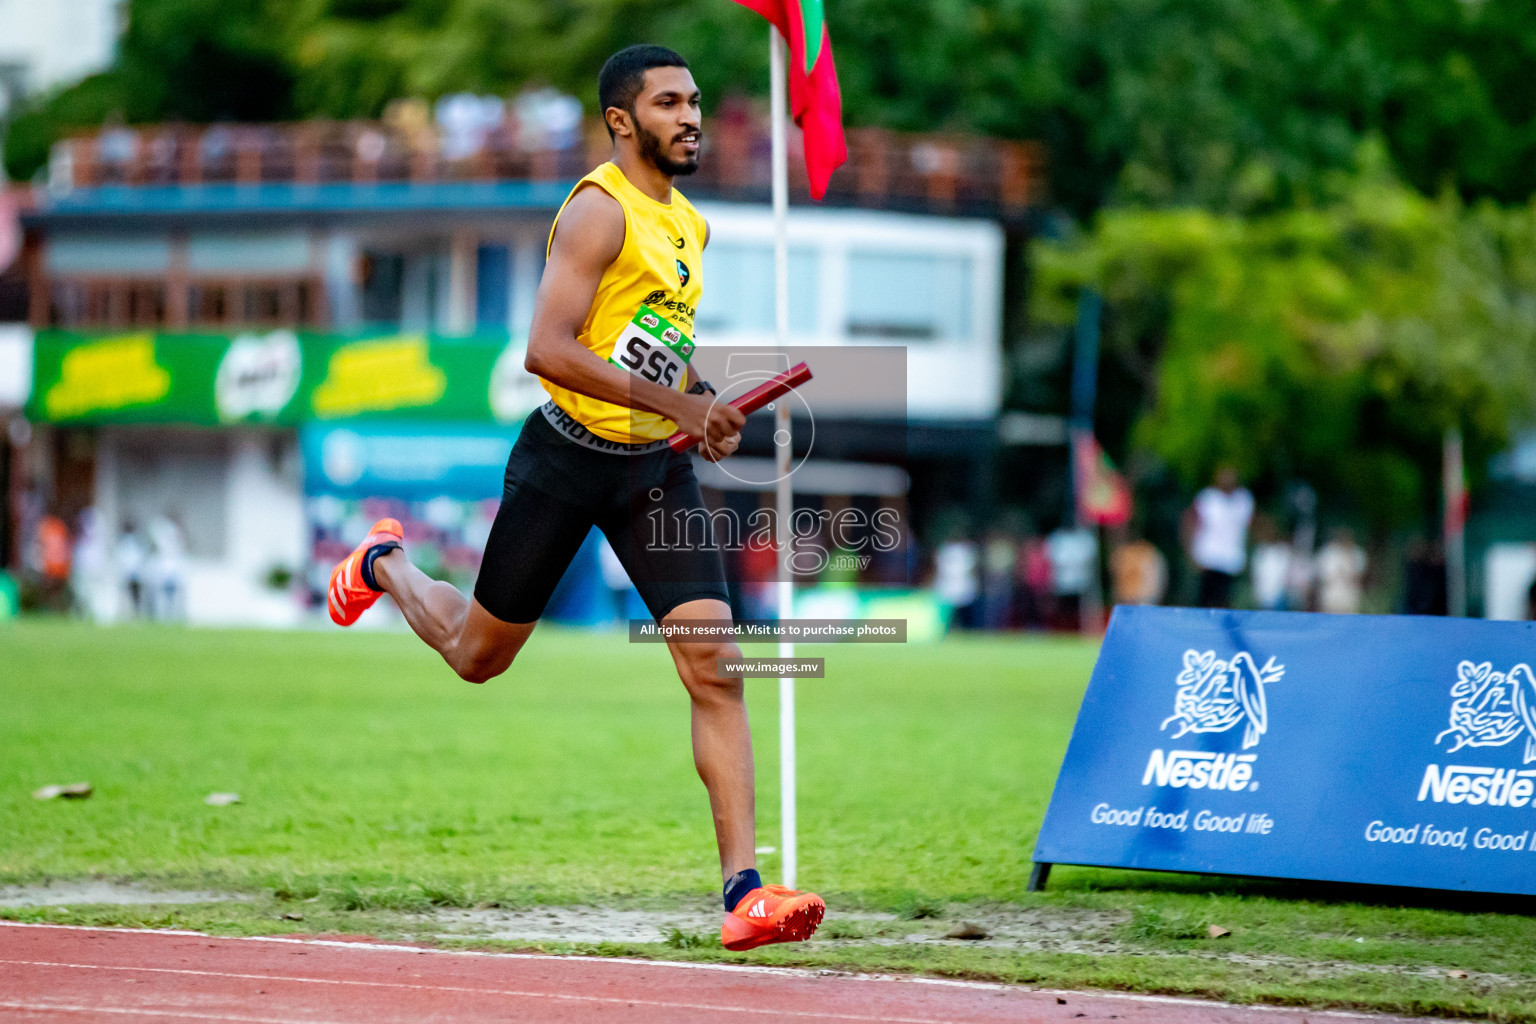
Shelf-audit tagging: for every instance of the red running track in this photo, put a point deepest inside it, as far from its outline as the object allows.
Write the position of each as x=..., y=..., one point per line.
x=106, y=976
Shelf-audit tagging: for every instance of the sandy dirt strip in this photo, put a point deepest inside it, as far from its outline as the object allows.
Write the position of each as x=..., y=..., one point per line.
x=64, y=974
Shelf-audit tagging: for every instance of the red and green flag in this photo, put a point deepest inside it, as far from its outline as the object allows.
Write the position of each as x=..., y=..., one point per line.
x=1103, y=497
x=814, y=99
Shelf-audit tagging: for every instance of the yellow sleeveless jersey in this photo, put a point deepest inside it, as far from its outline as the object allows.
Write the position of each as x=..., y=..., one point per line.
x=641, y=319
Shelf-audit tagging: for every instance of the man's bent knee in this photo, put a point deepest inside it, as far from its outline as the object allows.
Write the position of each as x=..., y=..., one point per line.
x=480, y=665
x=699, y=666
x=484, y=646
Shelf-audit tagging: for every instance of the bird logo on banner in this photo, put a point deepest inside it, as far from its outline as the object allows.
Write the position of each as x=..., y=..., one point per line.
x=1489, y=709
x=1214, y=695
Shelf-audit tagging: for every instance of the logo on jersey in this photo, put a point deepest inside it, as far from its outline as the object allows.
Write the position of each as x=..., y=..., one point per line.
x=658, y=300
x=648, y=319
x=671, y=336
x=676, y=242
x=683, y=273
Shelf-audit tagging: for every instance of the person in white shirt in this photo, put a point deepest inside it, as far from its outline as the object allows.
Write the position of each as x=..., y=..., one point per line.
x=1217, y=530
x=166, y=569
x=1270, y=565
x=132, y=557
x=956, y=579
x=1341, y=568
x=1074, y=555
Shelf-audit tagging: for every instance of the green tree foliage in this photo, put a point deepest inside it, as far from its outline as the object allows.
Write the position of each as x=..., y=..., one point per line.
x=1148, y=101
x=1445, y=82
x=205, y=60
x=1333, y=344
x=1228, y=104
x=353, y=56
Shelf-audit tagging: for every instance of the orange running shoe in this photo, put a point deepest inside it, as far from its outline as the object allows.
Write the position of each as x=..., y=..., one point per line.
x=772, y=913
x=351, y=591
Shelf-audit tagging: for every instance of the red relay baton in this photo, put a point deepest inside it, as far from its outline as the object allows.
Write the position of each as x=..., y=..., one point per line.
x=753, y=400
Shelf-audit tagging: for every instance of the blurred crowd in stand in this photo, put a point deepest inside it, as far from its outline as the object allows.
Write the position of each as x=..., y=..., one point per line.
x=80, y=570
x=1233, y=556
x=540, y=134
x=1007, y=582
x=1006, y=578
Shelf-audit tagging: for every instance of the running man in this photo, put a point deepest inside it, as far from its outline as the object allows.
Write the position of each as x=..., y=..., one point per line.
x=611, y=343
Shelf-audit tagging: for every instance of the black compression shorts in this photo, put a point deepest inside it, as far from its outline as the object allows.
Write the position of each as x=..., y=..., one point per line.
x=647, y=504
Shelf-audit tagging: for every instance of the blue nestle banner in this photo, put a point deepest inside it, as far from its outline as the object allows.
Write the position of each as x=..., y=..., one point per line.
x=1380, y=749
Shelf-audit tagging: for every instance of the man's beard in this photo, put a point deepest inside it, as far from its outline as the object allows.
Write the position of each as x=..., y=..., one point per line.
x=650, y=149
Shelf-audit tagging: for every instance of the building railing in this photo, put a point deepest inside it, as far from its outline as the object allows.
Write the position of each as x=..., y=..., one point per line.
x=885, y=170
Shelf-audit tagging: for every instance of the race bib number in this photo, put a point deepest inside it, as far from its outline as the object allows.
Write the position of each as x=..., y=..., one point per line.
x=651, y=347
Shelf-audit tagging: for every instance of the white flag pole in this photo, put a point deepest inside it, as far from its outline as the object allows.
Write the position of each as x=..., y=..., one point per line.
x=781, y=439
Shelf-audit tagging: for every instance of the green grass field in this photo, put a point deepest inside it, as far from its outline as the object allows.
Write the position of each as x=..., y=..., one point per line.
x=377, y=786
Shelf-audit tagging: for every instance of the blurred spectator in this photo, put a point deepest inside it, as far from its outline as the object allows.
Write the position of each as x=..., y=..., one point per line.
x=1340, y=574
x=51, y=559
x=997, y=562
x=955, y=579
x=166, y=569
x=546, y=119
x=1074, y=559
x=1271, y=567
x=1140, y=573
x=759, y=578
x=1300, y=572
x=1424, y=585
x=216, y=145
x=411, y=118
x=464, y=120
x=1033, y=590
x=132, y=557
x=371, y=145
x=91, y=578
x=30, y=509
x=1216, y=526
x=117, y=146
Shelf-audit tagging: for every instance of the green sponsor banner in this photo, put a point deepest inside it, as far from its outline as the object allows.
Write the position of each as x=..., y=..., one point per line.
x=277, y=377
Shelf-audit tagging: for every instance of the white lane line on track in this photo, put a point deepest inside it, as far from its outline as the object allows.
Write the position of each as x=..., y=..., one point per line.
x=514, y=993
x=792, y=972
x=182, y=1014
